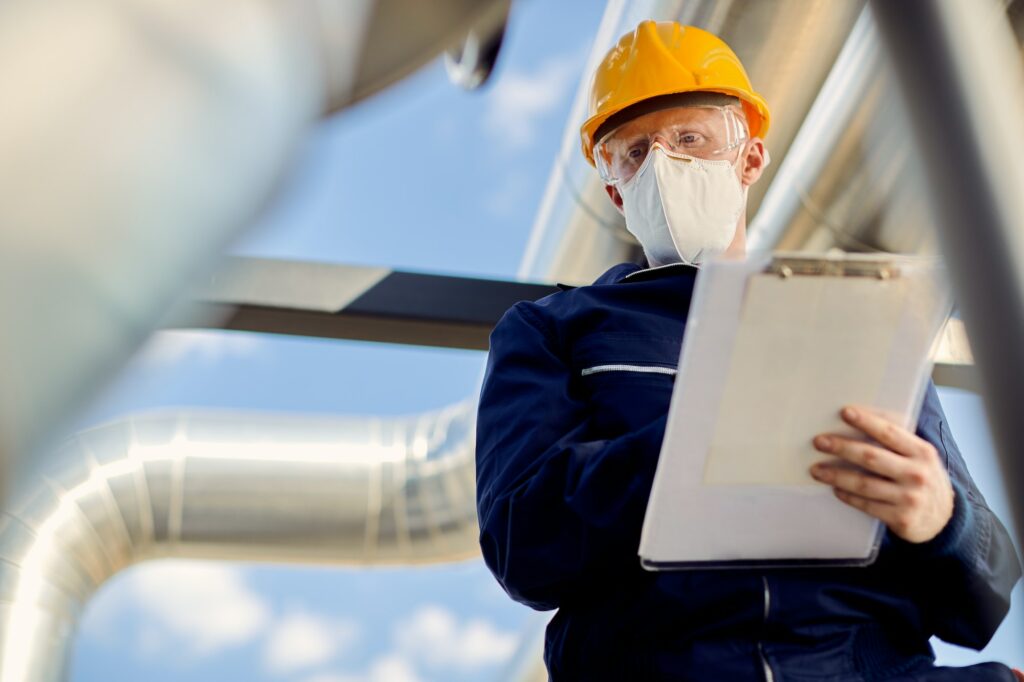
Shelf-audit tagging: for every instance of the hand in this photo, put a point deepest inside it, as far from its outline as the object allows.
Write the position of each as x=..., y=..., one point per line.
x=903, y=482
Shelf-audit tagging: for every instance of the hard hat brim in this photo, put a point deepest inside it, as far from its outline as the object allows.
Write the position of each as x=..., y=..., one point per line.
x=754, y=106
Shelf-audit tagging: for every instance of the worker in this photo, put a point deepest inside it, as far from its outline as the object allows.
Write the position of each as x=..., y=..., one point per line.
x=574, y=406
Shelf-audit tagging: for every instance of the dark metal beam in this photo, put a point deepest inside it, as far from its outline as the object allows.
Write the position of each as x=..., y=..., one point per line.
x=357, y=303
x=377, y=304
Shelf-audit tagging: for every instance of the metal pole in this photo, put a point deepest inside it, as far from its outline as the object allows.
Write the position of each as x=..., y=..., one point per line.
x=960, y=72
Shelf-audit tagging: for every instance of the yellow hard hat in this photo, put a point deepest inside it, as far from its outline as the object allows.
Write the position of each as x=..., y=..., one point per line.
x=665, y=58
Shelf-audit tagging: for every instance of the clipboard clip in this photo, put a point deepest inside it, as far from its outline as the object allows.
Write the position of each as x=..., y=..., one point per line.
x=790, y=266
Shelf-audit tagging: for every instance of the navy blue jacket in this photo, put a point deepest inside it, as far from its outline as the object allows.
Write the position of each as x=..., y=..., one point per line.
x=565, y=462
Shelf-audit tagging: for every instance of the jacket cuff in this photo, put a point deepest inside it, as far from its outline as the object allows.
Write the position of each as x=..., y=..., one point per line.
x=958, y=539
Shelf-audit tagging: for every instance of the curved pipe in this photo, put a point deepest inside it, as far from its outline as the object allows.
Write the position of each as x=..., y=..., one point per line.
x=225, y=486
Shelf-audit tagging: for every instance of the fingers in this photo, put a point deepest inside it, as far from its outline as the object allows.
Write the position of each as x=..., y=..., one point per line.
x=880, y=510
x=900, y=478
x=898, y=518
x=888, y=434
x=865, y=455
x=858, y=483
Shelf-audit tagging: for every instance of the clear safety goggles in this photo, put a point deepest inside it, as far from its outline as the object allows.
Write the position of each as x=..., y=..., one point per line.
x=619, y=155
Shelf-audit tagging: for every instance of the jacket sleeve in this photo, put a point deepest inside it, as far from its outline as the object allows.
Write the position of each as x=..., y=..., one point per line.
x=970, y=568
x=556, y=506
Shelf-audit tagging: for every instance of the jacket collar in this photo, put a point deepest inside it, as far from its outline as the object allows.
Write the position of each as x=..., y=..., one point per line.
x=633, y=272
x=641, y=274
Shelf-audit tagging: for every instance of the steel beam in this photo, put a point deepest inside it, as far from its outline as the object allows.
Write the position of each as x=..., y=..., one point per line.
x=960, y=72
x=377, y=304
x=351, y=302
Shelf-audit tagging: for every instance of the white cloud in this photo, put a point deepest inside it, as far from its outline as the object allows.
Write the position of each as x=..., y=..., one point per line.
x=196, y=608
x=172, y=346
x=390, y=668
x=433, y=635
x=518, y=99
x=301, y=640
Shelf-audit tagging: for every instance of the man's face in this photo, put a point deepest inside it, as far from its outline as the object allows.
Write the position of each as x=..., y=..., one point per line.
x=706, y=132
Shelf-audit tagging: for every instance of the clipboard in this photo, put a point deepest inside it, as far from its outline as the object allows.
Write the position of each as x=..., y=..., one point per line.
x=774, y=346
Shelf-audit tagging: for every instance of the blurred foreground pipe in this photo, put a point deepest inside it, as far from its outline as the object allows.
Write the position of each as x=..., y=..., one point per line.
x=137, y=138
x=961, y=74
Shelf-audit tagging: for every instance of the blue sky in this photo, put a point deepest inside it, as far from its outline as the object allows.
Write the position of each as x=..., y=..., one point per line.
x=422, y=177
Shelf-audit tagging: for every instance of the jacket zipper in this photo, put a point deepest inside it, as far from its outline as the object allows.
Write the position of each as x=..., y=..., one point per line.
x=769, y=676
x=649, y=369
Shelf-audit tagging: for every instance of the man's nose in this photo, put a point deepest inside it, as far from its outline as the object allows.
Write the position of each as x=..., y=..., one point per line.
x=664, y=139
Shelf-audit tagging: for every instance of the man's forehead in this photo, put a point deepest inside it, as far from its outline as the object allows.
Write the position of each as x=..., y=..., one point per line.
x=682, y=107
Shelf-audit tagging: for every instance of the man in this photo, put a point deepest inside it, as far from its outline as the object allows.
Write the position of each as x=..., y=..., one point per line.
x=573, y=412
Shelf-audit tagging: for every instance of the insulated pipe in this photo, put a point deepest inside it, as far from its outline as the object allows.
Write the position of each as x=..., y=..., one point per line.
x=855, y=69
x=139, y=137
x=225, y=486
x=961, y=74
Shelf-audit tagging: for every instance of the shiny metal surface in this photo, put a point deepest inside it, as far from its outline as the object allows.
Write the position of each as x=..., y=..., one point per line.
x=831, y=115
x=960, y=70
x=138, y=138
x=470, y=64
x=225, y=486
x=788, y=47
x=400, y=36
x=101, y=217
x=849, y=181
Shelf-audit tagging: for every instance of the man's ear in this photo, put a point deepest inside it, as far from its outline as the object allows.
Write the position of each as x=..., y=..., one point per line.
x=614, y=195
x=754, y=163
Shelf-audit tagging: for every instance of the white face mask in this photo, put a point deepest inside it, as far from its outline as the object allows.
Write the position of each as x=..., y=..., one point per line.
x=682, y=208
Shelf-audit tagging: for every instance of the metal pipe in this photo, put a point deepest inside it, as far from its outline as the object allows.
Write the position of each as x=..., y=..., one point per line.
x=225, y=486
x=139, y=138
x=103, y=219
x=961, y=74
x=813, y=147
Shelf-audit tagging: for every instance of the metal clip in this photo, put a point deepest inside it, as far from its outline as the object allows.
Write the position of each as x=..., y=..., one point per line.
x=789, y=266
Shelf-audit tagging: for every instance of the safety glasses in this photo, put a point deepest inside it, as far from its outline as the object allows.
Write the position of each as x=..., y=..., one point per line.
x=620, y=153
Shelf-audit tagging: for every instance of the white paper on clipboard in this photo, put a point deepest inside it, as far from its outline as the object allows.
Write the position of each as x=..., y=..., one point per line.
x=775, y=345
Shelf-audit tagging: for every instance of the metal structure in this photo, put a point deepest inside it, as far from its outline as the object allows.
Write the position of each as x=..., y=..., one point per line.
x=372, y=490
x=350, y=302
x=377, y=304
x=960, y=69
